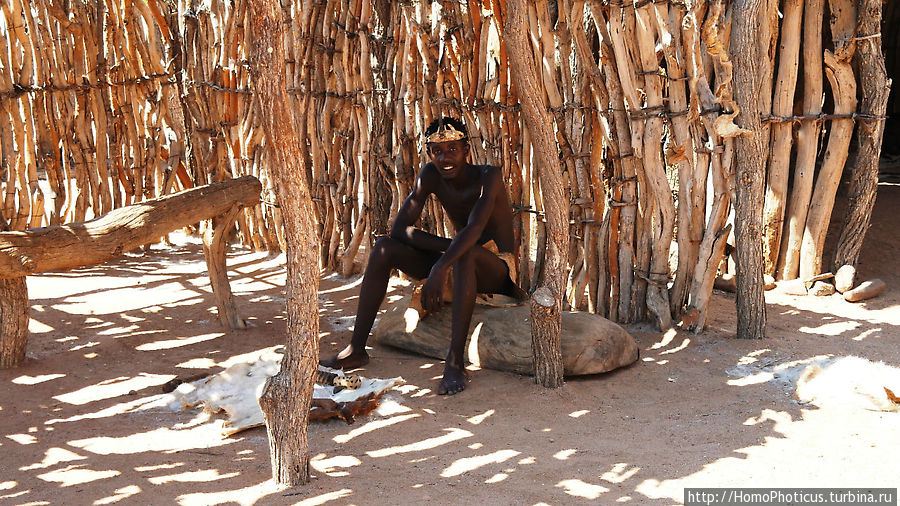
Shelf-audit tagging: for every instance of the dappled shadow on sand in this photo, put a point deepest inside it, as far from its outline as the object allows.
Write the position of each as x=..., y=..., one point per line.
x=81, y=421
x=81, y=418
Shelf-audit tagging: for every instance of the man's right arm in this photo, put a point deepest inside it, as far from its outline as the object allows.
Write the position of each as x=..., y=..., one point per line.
x=403, y=228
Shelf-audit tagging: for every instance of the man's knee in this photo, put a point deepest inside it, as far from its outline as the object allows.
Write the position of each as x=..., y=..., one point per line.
x=383, y=250
x=468, y=261
x=473, y=264
x=489, y=270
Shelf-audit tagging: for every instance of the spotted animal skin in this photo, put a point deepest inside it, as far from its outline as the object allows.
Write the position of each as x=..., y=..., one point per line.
x=350, y=382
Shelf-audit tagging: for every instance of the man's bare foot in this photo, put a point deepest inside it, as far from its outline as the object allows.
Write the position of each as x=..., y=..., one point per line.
x=348, y=358
x=453, y=382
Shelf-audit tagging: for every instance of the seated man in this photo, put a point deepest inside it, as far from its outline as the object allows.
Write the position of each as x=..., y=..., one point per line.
x=475, y=199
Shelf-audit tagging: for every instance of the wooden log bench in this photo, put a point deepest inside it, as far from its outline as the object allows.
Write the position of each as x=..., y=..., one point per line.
x=93, y=242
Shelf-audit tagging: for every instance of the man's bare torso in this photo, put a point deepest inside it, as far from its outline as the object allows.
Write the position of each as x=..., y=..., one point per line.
x=459, y=202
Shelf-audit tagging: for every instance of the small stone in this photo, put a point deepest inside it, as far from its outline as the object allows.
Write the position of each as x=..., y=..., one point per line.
x=794, y=287
x=768, y=282
x=865, y=290
x=821, y=289
x=819, y=277
x=844, y=279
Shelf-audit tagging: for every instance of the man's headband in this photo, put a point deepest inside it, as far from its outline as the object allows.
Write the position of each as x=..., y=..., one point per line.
x=445, y=133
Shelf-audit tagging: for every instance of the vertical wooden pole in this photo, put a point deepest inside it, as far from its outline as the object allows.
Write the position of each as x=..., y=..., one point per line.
x=214, y=250
x=869, y=134
x=547, y=320
x=807, y=143
x=746, y=53
x=286, y=397
x=839, y=71
x=14, y=308
x=663, y=213
x=780, y=150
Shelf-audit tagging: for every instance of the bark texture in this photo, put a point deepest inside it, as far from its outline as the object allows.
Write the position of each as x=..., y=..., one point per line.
x=807, y=143
x=545, y=323
x=546, y=345
x=287, y=396
x=92, y=242
x=746, y=53
x=869, y=134
x=14, y=310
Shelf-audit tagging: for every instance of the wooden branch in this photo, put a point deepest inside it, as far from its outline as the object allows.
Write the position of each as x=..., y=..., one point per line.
x=214, y=251
x=124, y=229
x=807, y=144
x=663, y=213
x=864, y=178
x=625, y=170
x=710, y=256
x=780, y=150
x=691, y=192
x=839, y=71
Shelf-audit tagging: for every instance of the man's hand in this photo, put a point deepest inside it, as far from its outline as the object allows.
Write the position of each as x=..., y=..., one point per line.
x=433, y=290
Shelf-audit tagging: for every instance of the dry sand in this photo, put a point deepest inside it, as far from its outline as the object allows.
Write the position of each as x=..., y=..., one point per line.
x=79, y=423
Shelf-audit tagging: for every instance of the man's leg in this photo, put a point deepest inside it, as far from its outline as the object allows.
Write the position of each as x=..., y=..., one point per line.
x=478, y=271
x=387, y=254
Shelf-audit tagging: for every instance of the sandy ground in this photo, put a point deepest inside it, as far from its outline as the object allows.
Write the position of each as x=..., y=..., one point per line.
x=80, y=421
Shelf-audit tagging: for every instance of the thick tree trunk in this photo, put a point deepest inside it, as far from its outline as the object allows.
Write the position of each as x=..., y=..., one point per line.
x=546, y=345
x=746, y=53
x=286, y=398
x=124, y=229
x=864, y=179
x=14, y=309
x=545, y=324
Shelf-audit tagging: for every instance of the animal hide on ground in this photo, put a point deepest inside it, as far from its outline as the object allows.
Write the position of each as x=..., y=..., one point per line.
x=850, y=381
x=237, y=389
x=846, y=382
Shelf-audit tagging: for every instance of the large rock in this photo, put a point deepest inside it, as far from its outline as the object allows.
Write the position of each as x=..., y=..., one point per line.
x=500, y=338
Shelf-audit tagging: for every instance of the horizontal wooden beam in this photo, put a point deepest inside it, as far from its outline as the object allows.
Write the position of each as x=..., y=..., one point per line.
x=99, y=240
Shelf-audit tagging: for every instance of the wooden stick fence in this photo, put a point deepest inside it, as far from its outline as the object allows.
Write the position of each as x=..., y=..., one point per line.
x=103, y=104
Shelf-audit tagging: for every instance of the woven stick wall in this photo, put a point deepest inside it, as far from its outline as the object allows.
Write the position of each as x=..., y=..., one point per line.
x=103, y=104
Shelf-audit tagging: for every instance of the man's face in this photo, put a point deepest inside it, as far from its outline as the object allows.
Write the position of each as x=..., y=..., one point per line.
x=449, y=157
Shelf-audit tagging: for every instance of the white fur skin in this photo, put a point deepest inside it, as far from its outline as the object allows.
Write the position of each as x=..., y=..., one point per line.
x=849, y=382
x=237, y=389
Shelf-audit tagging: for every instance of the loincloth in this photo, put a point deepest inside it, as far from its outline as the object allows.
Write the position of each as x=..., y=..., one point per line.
x=482, y=298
